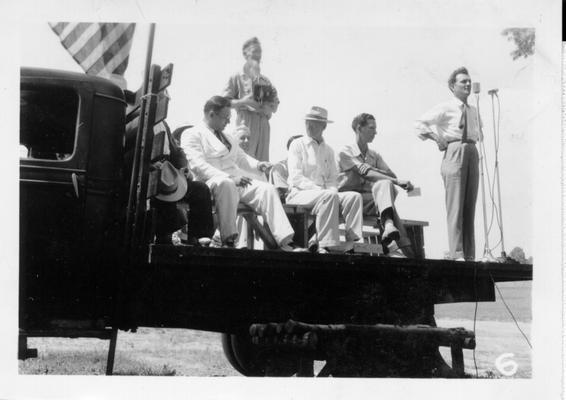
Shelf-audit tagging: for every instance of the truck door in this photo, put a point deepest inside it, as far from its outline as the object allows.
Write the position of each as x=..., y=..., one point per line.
x=52, y=168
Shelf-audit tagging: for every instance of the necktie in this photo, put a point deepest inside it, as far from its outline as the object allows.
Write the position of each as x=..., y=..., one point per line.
x=221, y=137
x=464, y=122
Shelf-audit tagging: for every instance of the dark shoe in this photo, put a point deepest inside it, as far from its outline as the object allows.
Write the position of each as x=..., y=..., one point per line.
x=229, y=243
x=190, y=241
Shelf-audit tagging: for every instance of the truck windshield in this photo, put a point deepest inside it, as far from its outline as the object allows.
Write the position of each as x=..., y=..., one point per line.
x=48, y=118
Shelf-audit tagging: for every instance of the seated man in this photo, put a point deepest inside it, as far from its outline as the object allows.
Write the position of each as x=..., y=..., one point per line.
x=279, y=173
x=242, y=136
x=312, y=182
x=219, y=161
x=191, y=212
x=364, y=171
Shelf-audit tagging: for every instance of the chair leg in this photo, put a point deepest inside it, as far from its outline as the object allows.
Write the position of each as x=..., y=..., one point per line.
x=457, y=360
x=111, y=352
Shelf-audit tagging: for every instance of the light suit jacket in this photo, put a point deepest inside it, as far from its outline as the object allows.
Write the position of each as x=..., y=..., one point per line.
x=209, y=158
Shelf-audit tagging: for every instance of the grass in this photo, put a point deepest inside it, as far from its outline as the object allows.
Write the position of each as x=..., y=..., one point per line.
x=157, y=352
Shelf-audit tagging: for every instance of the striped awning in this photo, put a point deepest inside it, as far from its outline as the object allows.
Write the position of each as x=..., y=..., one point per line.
x=101, y=49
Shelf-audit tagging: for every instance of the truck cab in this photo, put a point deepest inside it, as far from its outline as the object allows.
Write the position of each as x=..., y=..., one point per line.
x=71, y=163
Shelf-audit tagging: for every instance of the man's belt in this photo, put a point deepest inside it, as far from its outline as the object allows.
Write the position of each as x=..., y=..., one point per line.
x=468, y=141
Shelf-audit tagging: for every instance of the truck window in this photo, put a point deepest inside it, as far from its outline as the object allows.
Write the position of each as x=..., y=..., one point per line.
x=48, y=118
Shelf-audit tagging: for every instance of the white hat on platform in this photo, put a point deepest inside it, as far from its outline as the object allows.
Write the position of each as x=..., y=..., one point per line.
x=172, y=185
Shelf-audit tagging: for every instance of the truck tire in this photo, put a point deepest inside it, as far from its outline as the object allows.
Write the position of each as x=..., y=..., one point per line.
x=251, y=361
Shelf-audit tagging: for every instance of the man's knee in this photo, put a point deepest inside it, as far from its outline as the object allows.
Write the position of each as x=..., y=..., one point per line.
x=220, y=186
x=328, y=195
x=198, y=190
x=383, y=184
x=357, y=198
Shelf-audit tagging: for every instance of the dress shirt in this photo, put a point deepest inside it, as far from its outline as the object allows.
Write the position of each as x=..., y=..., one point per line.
x=445, y=118
x=350, y=157
x=312, y=165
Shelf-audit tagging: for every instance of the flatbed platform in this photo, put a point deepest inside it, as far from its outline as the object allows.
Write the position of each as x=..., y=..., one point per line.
x=272, y=259
x=223, y=289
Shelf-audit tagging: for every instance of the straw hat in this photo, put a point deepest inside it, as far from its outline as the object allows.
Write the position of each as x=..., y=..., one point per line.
x=318, y=114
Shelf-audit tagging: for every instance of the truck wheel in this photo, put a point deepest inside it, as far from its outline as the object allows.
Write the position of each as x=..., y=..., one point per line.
x=251, y=361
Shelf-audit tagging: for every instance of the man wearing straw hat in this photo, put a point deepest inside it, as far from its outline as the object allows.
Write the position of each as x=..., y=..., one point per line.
x=313, y=183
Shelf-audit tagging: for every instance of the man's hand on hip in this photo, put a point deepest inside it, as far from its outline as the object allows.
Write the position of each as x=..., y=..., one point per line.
x=439, y=140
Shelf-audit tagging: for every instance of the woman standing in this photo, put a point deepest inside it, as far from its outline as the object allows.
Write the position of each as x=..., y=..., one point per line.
x=254, y=99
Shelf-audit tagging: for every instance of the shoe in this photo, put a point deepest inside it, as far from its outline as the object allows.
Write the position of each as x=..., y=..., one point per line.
x=322, y=250
x=190, y=241
x=390, y=233
x=204, y=241
x=229, y=243
x=292, y=247
x=460, y=259
x=397, y=253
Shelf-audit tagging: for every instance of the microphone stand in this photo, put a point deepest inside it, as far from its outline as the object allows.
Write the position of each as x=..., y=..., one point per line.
x=487, y=256
x=496, y=142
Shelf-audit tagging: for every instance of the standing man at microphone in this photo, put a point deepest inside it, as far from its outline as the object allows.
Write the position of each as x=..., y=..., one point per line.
x=454, y=126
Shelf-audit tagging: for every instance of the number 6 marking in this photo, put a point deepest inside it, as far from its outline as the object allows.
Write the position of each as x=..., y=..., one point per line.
x=506, y=365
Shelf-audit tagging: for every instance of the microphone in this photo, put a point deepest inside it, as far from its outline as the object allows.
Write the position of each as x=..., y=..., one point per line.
x=476, y=87
x=492, y=92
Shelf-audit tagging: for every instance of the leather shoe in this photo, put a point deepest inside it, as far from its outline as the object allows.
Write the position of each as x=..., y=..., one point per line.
x=390, y=233
x=292, y=247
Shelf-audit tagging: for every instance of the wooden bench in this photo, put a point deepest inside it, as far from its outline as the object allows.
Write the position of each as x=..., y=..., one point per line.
x=302, y=219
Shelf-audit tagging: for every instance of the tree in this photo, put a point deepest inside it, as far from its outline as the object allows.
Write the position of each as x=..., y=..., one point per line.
x=524, y=39
x=518, y=254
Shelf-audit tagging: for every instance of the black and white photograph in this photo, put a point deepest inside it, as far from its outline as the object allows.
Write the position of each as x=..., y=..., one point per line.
x=282, y=199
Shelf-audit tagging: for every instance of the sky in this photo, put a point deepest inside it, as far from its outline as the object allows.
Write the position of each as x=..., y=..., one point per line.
x=390, y=59
x=394, y=73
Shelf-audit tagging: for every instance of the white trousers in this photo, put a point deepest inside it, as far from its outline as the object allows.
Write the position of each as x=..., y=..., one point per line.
x=260, y=196
x=327, y=205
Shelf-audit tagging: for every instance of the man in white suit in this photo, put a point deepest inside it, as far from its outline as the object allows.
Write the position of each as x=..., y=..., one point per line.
x=218, y=160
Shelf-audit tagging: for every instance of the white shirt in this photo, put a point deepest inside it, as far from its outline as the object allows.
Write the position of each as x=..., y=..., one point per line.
x=444, y=119
x=311, y=165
